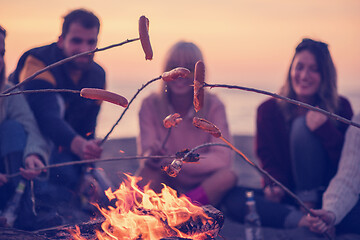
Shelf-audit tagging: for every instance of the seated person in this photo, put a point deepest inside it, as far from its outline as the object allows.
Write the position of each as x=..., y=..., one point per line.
x=298, y=147
x=340, y=204
x=66, y=119
x=209, y=179
x=22, y=148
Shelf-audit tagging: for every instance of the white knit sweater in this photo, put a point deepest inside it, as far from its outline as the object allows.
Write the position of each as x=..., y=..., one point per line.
x=343, y=191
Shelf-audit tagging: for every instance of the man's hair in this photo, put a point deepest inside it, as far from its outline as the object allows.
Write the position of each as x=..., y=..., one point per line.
x=86, y=18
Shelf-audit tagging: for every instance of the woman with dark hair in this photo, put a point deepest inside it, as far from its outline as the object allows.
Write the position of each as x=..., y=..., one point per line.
x=22, y=147
x=299, y=147
x=209, y=179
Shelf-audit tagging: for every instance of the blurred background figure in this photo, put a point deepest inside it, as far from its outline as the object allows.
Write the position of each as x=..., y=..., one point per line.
x=68, y=120
x=209, y=179
x=300, y=148
x=22, y=148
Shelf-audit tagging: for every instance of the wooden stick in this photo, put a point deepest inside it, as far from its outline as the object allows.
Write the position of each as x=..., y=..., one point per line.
x=90, y=161
x=39, y=91
x=122, y=114
x=166, y=138
x=289, y=100
x=259, y=169
x=67, y=60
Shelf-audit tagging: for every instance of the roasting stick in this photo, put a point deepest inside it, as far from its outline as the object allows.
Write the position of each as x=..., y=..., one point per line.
x=122, y=114
x=289, y=100
x=209, y=127
x=39, y=91
x=143, y=37
x=65, y=60
x=91, y=161
x=169, y=122
x=166, y=76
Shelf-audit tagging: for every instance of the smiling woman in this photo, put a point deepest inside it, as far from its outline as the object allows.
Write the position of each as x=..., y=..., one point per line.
x=299, y=147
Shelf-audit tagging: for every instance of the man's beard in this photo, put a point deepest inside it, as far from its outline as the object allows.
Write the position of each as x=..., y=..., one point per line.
x=75, y=65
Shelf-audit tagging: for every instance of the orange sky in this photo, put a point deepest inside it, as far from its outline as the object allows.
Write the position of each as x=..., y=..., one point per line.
x=245, y=42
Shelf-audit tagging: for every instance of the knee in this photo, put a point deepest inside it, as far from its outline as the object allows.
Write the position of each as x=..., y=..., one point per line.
x=12, y=137
x=11, y=127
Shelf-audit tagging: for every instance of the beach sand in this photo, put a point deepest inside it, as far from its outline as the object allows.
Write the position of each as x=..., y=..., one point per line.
x=248, y=176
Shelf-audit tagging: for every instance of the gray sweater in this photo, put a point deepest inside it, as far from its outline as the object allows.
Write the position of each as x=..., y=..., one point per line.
x=343, y=191
x=16, y=108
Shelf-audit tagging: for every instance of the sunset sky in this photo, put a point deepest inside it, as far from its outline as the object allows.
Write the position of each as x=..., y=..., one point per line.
x=245, y=42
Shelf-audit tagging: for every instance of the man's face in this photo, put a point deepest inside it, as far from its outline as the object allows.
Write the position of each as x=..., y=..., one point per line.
x=79, y=40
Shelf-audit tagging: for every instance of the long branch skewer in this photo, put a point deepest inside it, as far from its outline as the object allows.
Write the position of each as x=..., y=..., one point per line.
x=91, y=161
x=262, y=171
x=67, y=60
x=38, y=91
x=166, y=138
x=289, y=100
x=122, y=114
x=210, y=128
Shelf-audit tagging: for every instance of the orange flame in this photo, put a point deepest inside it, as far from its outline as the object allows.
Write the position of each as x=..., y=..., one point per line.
x=144, y=214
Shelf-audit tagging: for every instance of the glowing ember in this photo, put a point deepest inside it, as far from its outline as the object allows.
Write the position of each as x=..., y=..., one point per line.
x=144, y=214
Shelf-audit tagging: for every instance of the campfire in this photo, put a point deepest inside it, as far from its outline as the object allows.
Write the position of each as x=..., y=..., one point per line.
x=143, y=214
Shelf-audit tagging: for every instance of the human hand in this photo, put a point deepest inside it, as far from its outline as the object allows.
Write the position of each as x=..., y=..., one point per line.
x=315, y=119
x=274, y=193
x=323, y=221
x=86, y=149
x=92, y=149
x=3, y=179
x=31, y=162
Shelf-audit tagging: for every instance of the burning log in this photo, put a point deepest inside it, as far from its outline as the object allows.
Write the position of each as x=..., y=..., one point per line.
x=197, y=228
x=206, y=230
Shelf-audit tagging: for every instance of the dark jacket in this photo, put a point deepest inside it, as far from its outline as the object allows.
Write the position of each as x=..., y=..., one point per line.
x=61, y=116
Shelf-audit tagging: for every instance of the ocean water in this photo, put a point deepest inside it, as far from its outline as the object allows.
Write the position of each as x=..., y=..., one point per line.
x=240, y=108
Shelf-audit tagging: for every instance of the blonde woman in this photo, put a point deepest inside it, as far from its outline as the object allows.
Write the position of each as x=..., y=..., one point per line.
x=208, y=180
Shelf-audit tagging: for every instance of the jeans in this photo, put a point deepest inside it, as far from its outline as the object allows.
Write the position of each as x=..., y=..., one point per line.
x=350, y=224
x=275, y=215
x=310, y=163
x=12, y=144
